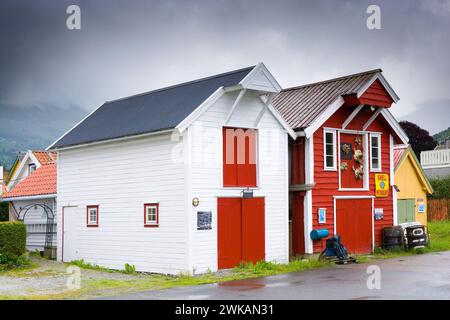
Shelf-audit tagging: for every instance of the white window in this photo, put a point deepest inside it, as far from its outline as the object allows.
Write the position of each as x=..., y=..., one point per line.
x=92, y=216
x=375, y=152
x=31, y=168
x=151, y=215
x=329, y=149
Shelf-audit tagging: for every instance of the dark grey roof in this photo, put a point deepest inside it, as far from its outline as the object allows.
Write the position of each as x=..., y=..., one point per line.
x=148, y=112
x=300, y=106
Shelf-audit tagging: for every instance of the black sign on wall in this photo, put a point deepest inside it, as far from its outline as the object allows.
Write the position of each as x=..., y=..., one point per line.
x=204, y=220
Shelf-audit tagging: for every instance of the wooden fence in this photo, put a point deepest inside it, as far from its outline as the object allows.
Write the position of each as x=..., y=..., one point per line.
x=438, y=209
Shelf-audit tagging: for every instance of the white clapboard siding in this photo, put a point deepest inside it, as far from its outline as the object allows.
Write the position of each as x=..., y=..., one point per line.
x=36, y=221
x=120, y=177
x=205, y=177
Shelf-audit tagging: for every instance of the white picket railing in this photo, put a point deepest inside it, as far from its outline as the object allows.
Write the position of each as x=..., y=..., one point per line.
x=435, y=158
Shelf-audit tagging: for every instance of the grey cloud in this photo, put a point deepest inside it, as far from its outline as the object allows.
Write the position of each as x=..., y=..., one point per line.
x=126, y=47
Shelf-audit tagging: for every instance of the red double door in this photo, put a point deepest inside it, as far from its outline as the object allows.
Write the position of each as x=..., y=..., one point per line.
x=240, y=231
x=354, y=224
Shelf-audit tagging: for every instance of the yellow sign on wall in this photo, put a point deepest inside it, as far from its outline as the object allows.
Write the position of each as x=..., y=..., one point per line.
x=381, y=185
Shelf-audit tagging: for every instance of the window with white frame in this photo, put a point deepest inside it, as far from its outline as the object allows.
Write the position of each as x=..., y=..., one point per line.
x=151, y=214
x=31, y=168
x=92, y=216
x=375, y=152
x=329, y=149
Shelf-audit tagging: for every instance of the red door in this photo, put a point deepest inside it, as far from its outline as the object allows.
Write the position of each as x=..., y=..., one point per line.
x=253, y=230
x=354, y=224
x=349, y=143
x=229, y=232
x=240, y=231
x=298, y=223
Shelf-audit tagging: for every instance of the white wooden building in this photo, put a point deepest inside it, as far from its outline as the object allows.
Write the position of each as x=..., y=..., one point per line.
x=30, y=189
x=142, y=180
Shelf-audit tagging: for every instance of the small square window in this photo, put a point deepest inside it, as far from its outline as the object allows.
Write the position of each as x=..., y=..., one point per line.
x=92, y=216
x=151, y=215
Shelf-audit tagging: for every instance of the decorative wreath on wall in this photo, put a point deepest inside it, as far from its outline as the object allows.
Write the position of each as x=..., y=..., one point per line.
x=359, y=156
x=359, y=172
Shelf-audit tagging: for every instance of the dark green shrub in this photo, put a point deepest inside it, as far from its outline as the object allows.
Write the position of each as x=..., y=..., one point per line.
x=4, y=211
x=13, y=237
x=441, y=187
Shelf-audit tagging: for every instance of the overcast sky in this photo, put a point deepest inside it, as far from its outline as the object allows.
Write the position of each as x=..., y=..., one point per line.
x=127, y=47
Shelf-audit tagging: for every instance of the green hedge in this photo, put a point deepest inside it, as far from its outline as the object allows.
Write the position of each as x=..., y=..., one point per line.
x=441, y=187
x=13, y=238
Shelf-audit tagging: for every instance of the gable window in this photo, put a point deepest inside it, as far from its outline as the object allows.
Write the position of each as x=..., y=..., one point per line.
x=239, y=157
x=31, y=168
x=151, y=215
x=329, y=149
x=92, y=216
x=375, y=152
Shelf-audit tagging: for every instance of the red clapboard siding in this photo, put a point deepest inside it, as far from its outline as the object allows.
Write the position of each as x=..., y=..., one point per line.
x=327, y=182
x=298, y=161
x=376, y=95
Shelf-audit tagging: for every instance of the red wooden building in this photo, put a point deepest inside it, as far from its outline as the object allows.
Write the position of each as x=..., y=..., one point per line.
x=346, y=135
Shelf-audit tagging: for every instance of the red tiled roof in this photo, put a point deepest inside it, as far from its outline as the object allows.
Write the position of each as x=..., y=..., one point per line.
x=40, y=182
x=398, y=153
x=45, y=157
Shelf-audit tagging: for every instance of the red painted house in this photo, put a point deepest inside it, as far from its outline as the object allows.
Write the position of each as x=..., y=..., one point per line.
x=346, y=135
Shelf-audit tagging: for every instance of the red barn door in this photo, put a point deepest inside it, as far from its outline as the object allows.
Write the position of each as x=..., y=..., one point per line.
x=253, y=230
x=354, y=224
x=240, y=231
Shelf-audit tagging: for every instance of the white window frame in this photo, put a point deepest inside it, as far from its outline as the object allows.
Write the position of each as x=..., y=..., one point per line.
x=378, y=136
x=31, y=168
x=325, y=167
x=152, y=223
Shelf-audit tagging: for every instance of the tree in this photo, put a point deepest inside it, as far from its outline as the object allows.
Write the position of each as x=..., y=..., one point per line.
x=419, y=139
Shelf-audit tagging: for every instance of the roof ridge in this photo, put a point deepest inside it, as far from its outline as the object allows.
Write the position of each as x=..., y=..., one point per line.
x=334, y=79
x=183, y=84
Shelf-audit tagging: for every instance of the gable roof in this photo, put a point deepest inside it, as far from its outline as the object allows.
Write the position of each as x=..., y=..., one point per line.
x=302, y=106
x=39, y=183
x=402, y=152
x=148, y=112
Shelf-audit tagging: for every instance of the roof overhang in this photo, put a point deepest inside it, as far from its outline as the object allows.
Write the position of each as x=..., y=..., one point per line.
x=36, y=197
x=260, y=80
x=378, y=76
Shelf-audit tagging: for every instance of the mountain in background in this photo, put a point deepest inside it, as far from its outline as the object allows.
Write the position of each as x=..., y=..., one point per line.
x=33, y=128
x=442, y=136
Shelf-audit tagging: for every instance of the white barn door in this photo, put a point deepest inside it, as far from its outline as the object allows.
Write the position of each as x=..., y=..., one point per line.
x=73, y=221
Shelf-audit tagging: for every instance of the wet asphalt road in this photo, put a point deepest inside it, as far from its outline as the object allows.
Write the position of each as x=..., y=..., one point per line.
x=421, y=277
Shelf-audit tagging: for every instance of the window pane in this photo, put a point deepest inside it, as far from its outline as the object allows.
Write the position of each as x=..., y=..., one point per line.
x=328, y=137
x=93, y=215
x=330, y=162
x=329, y=149
x=375, y=141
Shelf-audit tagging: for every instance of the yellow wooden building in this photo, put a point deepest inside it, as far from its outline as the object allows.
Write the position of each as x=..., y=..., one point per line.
x=412, y=186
